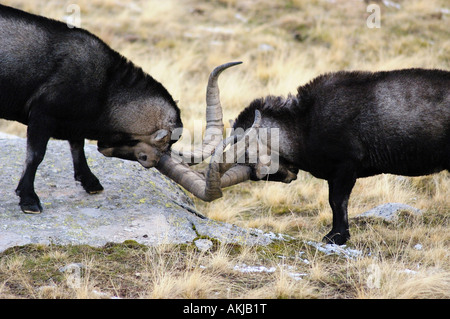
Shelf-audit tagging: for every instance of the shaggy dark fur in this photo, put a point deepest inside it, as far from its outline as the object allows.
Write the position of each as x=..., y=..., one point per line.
x=68, y=84
x=346, y=125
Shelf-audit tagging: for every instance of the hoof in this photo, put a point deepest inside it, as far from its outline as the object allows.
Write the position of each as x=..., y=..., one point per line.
x=336, y=238
x=92, y=192
x=31, y=208
x=92, y=186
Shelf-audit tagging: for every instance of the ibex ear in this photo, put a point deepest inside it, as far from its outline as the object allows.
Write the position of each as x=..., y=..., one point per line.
x=159, y=136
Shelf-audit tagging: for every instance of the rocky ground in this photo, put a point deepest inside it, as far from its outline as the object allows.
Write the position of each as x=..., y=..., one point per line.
x=137, y=204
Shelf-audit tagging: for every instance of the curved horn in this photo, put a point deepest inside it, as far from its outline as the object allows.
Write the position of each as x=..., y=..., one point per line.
x=208, y=187
x=214, y=120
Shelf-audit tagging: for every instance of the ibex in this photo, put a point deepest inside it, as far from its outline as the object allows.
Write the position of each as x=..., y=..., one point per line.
x=67, y=84
x=339, y=127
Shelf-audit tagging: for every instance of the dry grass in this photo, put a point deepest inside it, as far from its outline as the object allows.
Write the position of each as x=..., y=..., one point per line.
x=283, y=44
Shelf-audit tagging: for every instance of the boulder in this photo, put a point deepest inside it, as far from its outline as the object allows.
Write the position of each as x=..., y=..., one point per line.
x=389, y=212
x=137, y=204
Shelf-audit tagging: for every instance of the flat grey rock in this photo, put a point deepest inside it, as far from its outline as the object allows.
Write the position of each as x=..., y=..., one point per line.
x=6, y=135
x=389, y=212
x=137, y=204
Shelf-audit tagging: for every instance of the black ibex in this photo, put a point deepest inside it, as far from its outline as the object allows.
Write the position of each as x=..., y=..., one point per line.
x=67, y=84
x=340, y=127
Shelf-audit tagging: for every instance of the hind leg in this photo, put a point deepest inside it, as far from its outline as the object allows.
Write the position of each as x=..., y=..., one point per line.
x=83, y=174
x=340, y=188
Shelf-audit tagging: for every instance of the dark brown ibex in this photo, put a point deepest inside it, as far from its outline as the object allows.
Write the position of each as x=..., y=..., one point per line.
x=67, y=84
x=339, y=127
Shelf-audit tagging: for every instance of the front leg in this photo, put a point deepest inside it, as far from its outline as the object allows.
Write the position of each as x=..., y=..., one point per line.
x=340, y=188
x=38, y=136
x=83, y=174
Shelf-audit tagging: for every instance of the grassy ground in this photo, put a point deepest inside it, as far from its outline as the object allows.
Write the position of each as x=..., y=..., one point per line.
x=283, y=44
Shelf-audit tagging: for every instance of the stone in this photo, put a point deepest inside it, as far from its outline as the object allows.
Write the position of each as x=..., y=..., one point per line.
x=71, y=267
x=203, y=244
x=137, y=204
x=389, y=212
x=339, y=250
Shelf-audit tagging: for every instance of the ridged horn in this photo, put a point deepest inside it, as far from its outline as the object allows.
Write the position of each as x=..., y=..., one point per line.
x=214, y=120
x=208, y=186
